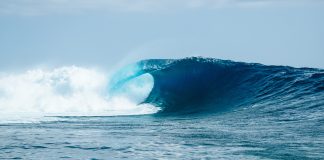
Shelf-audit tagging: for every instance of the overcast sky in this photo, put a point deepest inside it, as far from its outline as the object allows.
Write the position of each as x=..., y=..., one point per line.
x=106, y=33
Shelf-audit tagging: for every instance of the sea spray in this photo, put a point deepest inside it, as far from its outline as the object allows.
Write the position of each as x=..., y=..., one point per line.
x=70, y=91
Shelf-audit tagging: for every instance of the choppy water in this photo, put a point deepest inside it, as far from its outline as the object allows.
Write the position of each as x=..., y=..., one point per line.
x=192, y=108
x=226, y=136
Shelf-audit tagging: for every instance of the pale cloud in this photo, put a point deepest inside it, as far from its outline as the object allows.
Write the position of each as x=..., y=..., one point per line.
x=42, y=7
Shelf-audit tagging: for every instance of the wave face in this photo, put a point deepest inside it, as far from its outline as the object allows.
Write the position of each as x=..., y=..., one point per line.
x=205, y=85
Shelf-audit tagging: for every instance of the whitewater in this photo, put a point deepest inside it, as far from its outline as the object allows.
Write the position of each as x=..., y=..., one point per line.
x=191, y=108
x=37, y=94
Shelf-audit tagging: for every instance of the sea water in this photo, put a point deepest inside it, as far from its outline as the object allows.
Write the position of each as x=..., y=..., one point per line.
x=192, y=108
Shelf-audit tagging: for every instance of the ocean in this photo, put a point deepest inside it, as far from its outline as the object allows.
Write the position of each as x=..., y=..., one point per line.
x=191, y=108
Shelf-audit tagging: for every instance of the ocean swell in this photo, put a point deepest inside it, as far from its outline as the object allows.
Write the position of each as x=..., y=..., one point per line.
x=206, y=85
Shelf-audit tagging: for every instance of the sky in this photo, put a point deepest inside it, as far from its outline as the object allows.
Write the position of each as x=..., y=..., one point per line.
x=108, y=33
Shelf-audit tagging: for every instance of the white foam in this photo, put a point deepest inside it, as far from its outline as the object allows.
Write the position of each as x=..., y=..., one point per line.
x=69, y=91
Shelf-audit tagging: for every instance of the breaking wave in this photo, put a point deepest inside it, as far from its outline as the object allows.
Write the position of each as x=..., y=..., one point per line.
x=165, y=86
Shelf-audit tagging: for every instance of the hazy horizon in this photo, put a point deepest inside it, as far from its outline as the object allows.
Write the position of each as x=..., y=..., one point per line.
x=109, y=33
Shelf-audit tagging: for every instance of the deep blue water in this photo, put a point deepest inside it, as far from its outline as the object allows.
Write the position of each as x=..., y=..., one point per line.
x=210, y=109
x=236, y=135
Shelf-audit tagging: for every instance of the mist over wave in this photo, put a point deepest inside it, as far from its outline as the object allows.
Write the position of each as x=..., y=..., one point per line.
x=69, y=91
